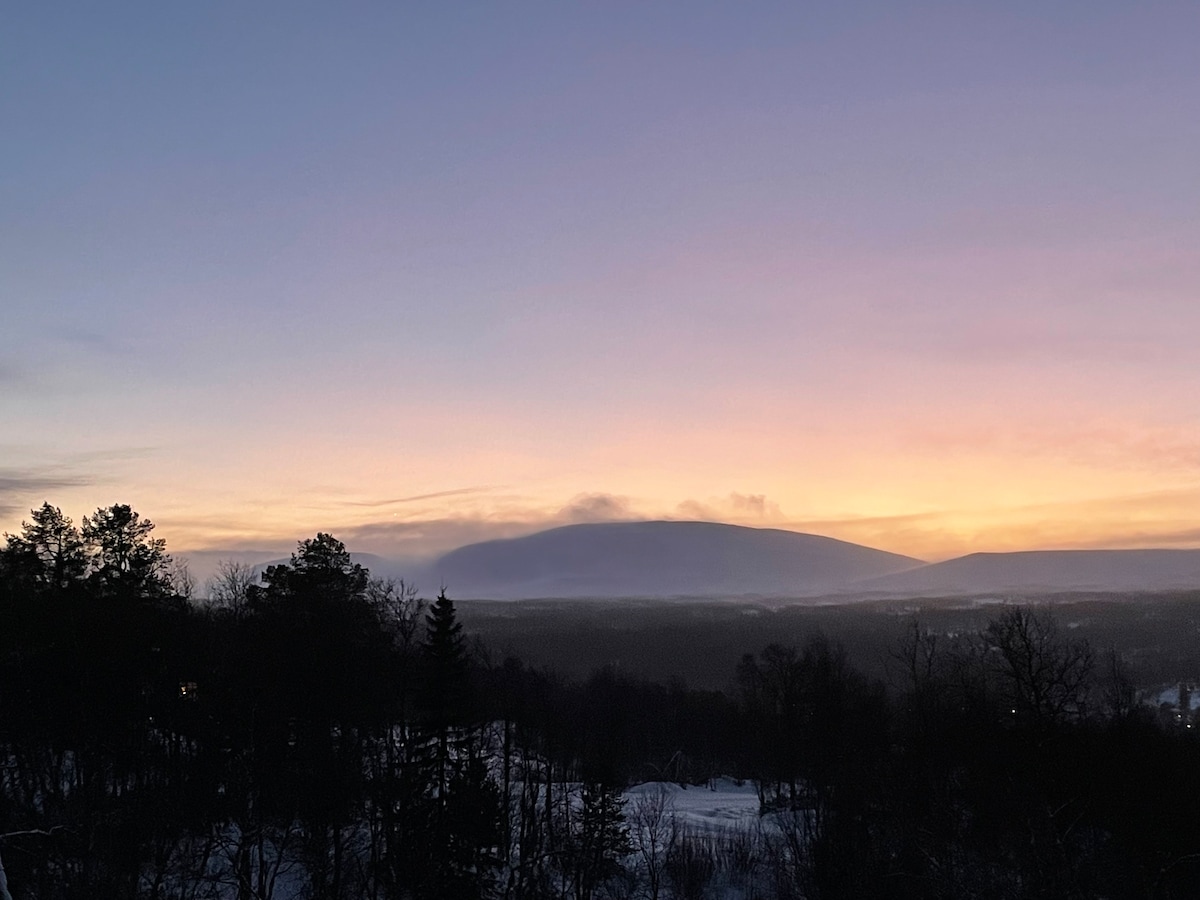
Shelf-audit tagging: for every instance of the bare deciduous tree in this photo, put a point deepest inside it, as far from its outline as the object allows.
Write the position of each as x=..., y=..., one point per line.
x=654, y=831
x=229, y=588
x=183, y=582
x=1047, y=678
x=399, y=608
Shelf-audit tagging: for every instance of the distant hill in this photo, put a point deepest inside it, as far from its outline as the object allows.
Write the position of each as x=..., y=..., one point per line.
x=660, y=559
x=203, y=564
x=707, y=559
x=1048, y=570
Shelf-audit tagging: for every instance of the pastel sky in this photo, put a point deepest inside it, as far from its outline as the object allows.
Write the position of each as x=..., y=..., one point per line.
x=922, y=276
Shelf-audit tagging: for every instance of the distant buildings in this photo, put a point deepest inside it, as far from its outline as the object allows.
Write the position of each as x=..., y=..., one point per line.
x=1176, y=705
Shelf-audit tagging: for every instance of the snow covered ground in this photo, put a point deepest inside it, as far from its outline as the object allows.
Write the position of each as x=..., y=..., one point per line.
x=722, y=805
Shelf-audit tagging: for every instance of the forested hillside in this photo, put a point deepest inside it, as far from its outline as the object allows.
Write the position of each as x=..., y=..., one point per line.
x=315, y=732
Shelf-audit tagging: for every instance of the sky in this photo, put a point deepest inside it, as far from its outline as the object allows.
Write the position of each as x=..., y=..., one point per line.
x=916, y=275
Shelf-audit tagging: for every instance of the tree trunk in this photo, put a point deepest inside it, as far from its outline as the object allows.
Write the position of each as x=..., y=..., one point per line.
x=4, y=894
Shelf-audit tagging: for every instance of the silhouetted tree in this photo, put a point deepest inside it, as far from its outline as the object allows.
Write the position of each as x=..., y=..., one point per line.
x=466, y=805
x=230, y=586
x=318, y=699
x=125, y=560
x=1046, y=677
x=598, y=841
x=49, y=549
x=445, y=683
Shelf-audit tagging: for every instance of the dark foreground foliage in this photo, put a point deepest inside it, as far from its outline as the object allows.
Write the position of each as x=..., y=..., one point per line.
x=314, y=732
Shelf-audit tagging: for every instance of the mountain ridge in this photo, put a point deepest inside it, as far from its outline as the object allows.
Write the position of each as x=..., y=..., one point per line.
x=680, y=559
x=1030, y=571
x=661, y=558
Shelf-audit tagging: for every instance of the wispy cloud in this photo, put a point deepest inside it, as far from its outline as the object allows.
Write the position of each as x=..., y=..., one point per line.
x=29, y=484
x=414, y=529
x=428, y=537
x=110, y=454
x=432, y=537
x=436, y=495
x=19, y=488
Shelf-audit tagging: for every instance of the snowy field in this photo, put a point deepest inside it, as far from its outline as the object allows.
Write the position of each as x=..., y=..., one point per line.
x=722, y=805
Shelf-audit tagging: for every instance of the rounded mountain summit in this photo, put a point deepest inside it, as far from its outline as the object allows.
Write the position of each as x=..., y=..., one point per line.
x=661, y=559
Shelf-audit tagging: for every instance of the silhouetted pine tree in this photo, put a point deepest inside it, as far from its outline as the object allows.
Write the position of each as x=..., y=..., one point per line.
x=466, y=811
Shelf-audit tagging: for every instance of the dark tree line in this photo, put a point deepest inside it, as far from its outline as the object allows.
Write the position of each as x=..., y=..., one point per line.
x=307, y=731
x=311, y=731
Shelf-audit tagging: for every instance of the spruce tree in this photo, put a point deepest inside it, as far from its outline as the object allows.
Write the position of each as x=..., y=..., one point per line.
x=466, y=803
x=445, y=683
